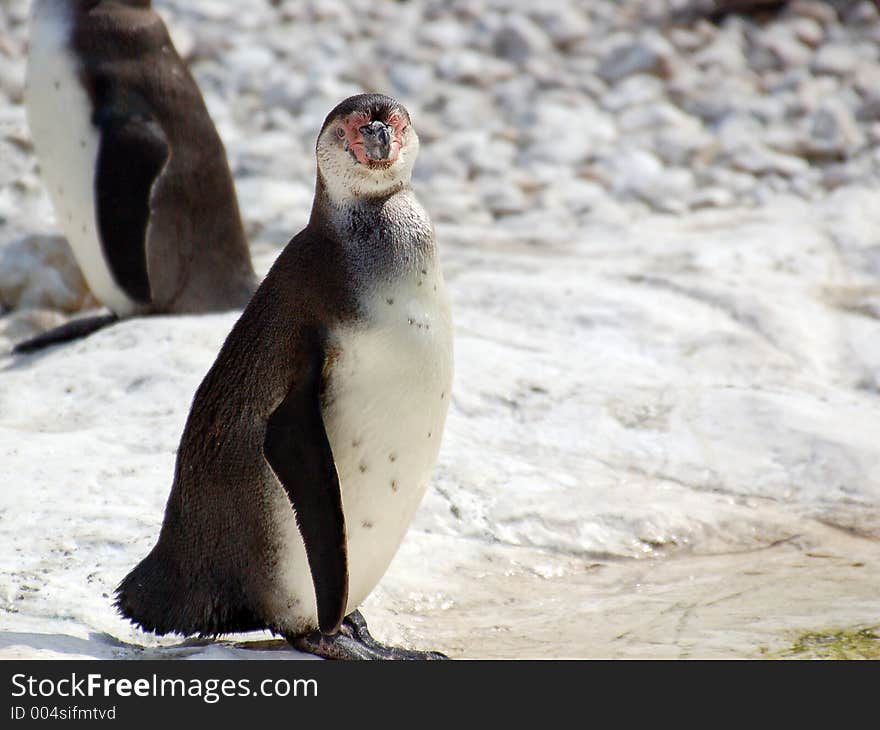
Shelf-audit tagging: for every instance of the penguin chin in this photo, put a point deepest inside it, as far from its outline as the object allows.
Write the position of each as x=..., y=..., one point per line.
x=380, y=177
x=345, y=179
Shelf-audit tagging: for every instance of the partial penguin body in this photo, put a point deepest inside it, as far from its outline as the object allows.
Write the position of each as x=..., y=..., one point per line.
x=137, y=175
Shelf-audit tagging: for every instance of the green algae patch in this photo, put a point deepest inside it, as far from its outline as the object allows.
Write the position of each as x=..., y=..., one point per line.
x=852, y=644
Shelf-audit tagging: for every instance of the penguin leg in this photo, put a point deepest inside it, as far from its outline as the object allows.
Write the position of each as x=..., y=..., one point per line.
x=353, y=641
x=68, y=331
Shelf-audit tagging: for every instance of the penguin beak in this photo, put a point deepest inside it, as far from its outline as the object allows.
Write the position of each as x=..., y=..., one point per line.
x=377, y=137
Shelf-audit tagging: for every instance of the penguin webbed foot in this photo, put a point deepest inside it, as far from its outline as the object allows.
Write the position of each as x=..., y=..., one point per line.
x=353, y=641
x=73, y=330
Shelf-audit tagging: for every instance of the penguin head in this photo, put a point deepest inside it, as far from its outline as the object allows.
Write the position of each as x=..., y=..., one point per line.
x=366, y=148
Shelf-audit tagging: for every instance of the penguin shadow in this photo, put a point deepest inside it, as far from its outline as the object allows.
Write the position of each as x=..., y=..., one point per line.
x=22, y=360
x=100, y=645
x=77, y=329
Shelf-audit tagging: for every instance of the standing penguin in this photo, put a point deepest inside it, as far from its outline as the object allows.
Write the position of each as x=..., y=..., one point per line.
x=135, y=169
x=311, y=440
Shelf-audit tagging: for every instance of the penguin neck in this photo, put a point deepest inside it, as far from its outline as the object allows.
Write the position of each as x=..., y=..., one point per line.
x=332, y=200
x=388, y=235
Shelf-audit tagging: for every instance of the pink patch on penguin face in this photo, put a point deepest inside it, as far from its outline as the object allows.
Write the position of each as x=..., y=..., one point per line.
x=350, y=131
x=398, y=123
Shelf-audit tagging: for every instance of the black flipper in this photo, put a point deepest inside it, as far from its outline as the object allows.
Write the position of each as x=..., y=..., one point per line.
x=132, y=152
x=297, y=449
x=66, y=332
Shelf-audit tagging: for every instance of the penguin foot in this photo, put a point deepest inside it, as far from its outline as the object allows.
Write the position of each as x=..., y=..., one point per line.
x=72, y=330
x=353, y=641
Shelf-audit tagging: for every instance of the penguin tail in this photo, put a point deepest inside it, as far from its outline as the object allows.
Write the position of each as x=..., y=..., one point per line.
x=163, y=599
x=146, y=598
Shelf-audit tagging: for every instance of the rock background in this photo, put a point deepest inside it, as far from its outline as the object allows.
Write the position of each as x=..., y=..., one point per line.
x=662, y=241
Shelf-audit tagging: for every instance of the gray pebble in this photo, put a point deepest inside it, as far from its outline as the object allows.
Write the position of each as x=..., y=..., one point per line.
x=518, y=39
x=651, y=54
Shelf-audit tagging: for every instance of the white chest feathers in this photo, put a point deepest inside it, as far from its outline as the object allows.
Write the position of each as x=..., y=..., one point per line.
x=388, y=396
x=59, y=114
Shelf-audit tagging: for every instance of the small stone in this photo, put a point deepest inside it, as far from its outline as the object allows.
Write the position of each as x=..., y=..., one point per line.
x=565, y=25
x=634, y=90
x=758, y=160
x=519, y=39
x=811, y=93
x=808, y=31
x=835, y=59
x=502, y=198
x=41, y=271
x=685, y=39
x=737, y=132
x=410, y=78
x=445, y=34
x=557, y=131
x=651, y=54
x=12, y=79
x=712, y=198
x=215, y=11
x=788, y=81
x=840, y=175
x=863, y=14
x=470, y=67
x=717, y=96
x=822, y=12
x=577, y=196
x=678, y=146
x=288, y=92
x=870, y=108
x=833, y=132
x=784, y=138
x=660, y=115
x=638, y=174
x=249, y=66
x=726, y=50
x=782, y=42
x=483, y=154
x=866, y=79
x=739, y=183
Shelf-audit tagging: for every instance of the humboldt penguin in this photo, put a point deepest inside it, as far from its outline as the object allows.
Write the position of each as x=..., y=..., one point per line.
x=135, y=169
x=311, y=440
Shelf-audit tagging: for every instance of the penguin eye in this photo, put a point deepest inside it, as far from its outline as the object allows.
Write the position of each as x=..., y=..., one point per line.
x=340, y=132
